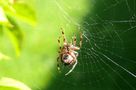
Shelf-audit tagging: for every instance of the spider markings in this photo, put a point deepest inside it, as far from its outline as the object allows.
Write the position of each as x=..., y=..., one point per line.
x=67, y=52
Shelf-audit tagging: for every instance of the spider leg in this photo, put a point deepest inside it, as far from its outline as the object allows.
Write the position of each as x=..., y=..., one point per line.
x=81, y=39
x=72, y=68
x=58, y=65
x=71, y=42
x=76, y=53
x=59, y=43
x=74, y=40
x=63, y=35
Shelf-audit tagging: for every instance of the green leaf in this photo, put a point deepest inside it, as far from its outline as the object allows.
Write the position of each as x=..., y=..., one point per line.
x=3, y=19
x=15, y=37
x=12, y=84
x=20, y=11
x=24, y=13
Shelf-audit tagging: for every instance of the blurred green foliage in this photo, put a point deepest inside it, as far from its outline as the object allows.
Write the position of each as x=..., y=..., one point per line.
x=11, y=84
x=12, y=11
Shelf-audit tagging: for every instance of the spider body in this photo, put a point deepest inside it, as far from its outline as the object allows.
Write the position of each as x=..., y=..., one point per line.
x=69, y=55
x=68, y=52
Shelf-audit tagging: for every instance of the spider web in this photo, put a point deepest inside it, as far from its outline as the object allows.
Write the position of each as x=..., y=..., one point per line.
x=107, y=57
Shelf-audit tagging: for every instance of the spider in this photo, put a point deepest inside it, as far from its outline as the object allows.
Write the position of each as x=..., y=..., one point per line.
x=68, y=52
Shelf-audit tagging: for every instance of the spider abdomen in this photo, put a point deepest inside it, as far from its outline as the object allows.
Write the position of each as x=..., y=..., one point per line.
x=67, y=59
